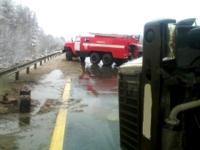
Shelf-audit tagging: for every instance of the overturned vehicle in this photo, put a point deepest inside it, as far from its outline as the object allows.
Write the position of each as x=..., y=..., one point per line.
x=159, y=95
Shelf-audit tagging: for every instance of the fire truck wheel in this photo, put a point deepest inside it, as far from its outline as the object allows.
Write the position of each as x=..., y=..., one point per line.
x=68, y=55
x=95, y=58
x=107, y=59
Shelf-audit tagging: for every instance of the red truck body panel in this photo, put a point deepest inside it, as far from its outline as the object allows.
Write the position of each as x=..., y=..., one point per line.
x=71, y=46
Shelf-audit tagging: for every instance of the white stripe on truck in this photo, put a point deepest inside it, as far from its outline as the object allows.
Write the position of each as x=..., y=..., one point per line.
x=103, y=45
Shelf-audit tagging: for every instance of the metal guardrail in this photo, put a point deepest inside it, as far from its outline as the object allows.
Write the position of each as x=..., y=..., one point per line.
x=15, y=69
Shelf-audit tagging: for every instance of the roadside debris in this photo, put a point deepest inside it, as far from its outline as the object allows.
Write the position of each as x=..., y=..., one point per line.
x=49, y=105
x=5, y=97
x=16, y=104
x=8, y=100
x=7, y=104
x=73, y=105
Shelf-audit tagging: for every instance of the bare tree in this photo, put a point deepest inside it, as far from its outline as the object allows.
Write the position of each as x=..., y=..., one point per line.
x=20, y=35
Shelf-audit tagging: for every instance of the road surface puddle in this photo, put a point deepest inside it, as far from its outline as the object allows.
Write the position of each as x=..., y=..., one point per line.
x=48, y=90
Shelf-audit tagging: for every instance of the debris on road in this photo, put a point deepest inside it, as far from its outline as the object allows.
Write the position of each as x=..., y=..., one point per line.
x=6, y=99
x=49, y=105
x=7, y=104
x=73, y=105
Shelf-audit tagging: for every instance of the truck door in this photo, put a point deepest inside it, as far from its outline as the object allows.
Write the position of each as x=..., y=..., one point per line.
x=77, y=44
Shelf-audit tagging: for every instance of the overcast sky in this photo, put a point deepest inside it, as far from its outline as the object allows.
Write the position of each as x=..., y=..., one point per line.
x=77, y=17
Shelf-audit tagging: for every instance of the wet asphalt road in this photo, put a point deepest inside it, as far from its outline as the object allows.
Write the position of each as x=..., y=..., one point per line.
x=97, y=125
x=92, y=121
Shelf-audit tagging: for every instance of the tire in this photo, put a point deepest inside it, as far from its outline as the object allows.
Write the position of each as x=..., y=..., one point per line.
x=107, y=59
x=68, y=55
x=95, y=58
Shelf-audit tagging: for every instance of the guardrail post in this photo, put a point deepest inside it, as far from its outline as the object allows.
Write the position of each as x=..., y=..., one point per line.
x=27, y=70
x=17, y=75
x=35, y=66
x=41, y=63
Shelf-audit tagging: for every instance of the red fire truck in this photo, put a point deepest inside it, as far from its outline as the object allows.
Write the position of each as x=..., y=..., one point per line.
x=106, y=47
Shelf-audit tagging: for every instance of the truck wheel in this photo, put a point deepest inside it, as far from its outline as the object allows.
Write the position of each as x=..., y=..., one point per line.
x=68, y=55
x=107, y=59
x=95, y=58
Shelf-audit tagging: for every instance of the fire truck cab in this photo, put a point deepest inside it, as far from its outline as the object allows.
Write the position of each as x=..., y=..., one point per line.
x=106, y=47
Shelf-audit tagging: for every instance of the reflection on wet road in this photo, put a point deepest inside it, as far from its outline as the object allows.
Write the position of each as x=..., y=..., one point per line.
x=94, y=122
x=50, y=87
x=99, y=79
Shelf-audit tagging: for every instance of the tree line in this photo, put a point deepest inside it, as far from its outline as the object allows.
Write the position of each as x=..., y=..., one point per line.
x=20, y=36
